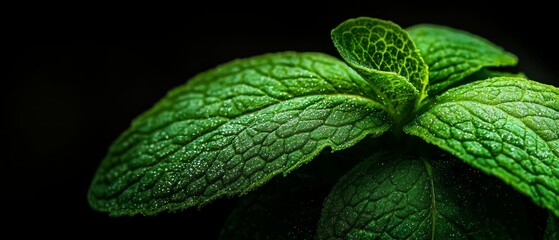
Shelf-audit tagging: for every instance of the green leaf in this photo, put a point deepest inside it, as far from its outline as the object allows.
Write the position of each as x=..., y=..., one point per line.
x=231, y=129
x=552, y=229
x=453, y=54
x=383, y=54
x=393, y=196
x=507, y=127
x=485, y=73
x=287, y=208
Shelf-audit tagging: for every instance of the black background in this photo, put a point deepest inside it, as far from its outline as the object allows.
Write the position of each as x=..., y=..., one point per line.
x=77, y=77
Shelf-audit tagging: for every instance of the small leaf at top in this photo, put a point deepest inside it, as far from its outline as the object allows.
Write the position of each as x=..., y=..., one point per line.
x=384, y=54
x=231, y=129
x=453, y=54
x=507, y=127
x=393, y=196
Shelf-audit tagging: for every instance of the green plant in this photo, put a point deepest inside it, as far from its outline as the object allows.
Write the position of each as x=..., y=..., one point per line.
x=231, y=129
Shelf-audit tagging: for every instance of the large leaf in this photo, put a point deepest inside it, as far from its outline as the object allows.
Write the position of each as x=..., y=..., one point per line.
x=376, y=47
x=288, y=208
x=453, y=54
x=283, y=209
x=393, y=196
x=507, y=127
x=552, y=228
x=231, y=129
x=485, y=73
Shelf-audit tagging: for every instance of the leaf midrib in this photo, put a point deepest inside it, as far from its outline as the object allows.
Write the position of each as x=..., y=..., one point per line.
x=229, y=119
x=232, y=119
x=467, y=155
x=433, y=210
x=508, y=114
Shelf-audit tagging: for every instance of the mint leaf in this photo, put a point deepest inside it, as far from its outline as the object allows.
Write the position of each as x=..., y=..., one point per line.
x=552, y=229
x=485, y=73
x=393, y=196
x=284, y=209
x=231, y=129
x=287, y=207
x=383, y=54
x=507, y=127
x=452, y=54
